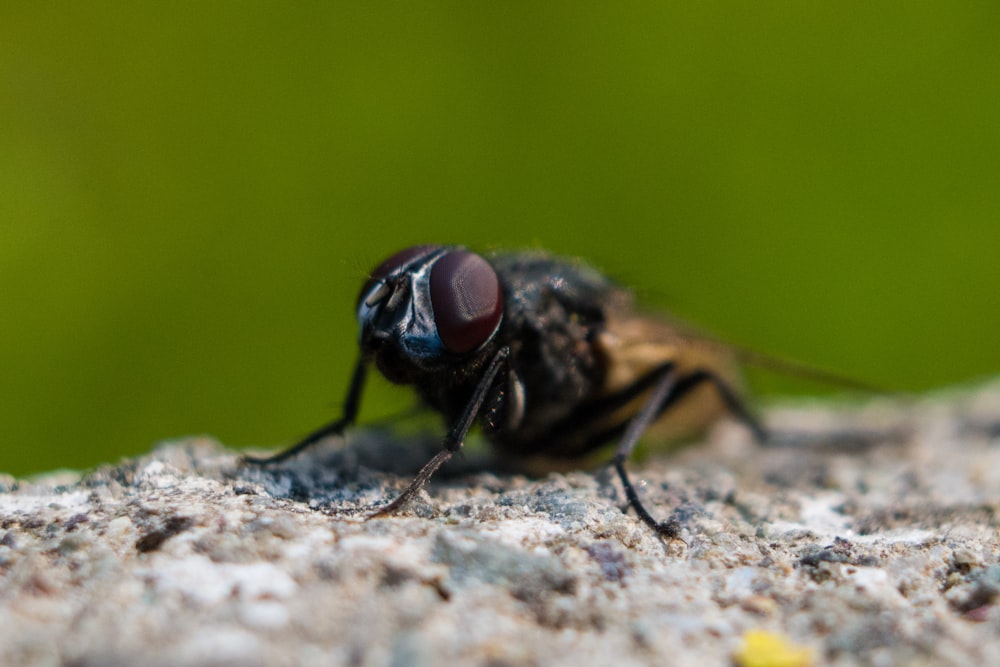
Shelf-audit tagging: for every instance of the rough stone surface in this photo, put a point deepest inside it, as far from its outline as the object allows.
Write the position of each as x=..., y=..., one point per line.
x=880, y=553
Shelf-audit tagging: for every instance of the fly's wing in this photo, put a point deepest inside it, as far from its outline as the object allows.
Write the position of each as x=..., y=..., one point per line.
x=634, y=345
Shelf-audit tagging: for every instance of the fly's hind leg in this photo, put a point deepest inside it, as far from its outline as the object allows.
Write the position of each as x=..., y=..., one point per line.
x=668, y=390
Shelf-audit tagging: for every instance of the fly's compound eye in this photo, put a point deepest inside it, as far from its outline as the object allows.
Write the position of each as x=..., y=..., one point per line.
x=394, y=263
x=467, y=300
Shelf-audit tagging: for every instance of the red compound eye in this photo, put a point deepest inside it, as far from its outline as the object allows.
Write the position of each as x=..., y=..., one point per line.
x=397, y=261
x=467, y=300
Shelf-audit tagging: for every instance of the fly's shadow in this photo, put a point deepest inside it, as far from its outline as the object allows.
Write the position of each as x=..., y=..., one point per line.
x=353, y=474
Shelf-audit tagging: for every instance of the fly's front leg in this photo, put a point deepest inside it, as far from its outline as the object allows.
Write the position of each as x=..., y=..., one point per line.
x=351, y=406
x=668, y=390
x=456, y=436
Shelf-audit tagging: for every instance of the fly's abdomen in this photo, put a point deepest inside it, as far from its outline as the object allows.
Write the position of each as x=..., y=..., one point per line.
x=635, y=348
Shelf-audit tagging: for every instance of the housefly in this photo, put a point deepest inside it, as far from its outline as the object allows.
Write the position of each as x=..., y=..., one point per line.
x=549, y=357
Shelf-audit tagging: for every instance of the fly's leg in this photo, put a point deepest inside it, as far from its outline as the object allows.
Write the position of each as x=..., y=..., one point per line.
x=667, y=392
x=337, y=427
x=456, y=436
x=733, y=402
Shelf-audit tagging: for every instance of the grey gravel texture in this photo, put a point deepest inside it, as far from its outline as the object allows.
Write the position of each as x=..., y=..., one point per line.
x=885, y=552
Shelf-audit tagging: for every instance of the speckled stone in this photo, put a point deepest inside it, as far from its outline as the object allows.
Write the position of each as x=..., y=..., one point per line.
x=868, y=533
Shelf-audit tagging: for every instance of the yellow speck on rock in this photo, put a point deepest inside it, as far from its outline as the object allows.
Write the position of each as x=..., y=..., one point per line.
x=766, y=649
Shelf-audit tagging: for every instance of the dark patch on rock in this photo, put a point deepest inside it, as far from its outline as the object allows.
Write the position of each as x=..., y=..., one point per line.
x=154, y=539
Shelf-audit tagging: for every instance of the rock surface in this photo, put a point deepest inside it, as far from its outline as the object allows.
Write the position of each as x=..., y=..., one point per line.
x=883, y=553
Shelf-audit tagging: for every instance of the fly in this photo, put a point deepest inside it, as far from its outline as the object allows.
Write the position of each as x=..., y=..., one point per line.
x=547, y=355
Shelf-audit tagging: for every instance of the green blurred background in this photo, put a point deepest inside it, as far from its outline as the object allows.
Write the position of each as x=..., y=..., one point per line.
x=190, y=193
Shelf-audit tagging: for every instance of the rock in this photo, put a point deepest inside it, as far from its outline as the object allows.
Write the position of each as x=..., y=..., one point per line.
x=866, y=535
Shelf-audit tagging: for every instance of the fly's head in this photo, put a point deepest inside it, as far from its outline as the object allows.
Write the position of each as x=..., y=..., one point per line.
x=427, y=308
